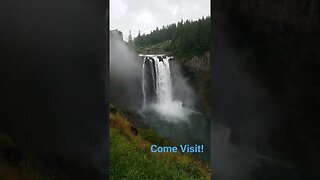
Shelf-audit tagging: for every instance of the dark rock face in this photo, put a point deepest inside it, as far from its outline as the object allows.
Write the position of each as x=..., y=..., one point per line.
x=197, y=63
x=150, y=77
x=197, y=72
x=266, y=66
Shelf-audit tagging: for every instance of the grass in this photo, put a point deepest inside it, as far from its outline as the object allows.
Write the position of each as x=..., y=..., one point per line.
x=130, y=156
x=154, y=138
x=129, y=162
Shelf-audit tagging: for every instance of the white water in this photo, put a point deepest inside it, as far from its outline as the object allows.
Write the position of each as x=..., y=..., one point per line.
x=143, y=82
x=163, y=80
x=165, y=105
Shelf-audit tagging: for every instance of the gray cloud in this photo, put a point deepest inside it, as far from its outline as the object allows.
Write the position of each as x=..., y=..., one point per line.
x=146, y=15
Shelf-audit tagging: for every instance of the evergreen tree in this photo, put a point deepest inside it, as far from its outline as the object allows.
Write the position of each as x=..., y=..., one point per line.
x=130, y=37
x=130, y=40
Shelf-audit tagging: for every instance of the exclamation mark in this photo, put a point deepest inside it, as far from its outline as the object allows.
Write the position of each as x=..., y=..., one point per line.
x=202, y=148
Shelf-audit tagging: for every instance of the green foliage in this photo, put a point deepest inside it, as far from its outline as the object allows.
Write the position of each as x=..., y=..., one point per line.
x=165, y=45
x=184, y=39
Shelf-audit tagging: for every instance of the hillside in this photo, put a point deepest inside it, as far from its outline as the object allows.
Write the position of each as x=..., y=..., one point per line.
x=130, y=155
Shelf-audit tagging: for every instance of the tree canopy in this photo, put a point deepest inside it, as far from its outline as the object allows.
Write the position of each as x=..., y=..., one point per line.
x=183, y=39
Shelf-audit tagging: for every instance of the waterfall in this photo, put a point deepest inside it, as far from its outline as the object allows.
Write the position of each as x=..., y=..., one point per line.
x=157, y=88
x=160, y=82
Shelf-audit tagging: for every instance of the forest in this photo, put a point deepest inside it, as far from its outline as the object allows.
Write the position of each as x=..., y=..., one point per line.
x=183, y=39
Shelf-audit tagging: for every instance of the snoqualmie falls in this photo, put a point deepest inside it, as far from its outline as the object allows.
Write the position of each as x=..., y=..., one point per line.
x=155, y=87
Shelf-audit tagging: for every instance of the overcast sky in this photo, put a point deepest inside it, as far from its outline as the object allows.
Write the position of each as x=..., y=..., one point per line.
x=146, y=15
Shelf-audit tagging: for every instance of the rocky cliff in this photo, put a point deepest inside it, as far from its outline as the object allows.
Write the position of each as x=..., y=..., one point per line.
x=197, y=71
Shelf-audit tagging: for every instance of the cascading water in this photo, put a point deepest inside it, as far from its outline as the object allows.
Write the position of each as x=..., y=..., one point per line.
x=143, y=81
x=163, y=87
x=157, y=87
x=160, y=69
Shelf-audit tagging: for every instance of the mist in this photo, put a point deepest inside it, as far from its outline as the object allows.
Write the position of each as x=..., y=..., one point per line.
x=125, y=76
x=256, y=130
x=182, y=90
x=242, y=110
x=230, y=161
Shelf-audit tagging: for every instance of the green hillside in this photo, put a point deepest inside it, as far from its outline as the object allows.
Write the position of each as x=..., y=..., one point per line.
x=130, y=157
